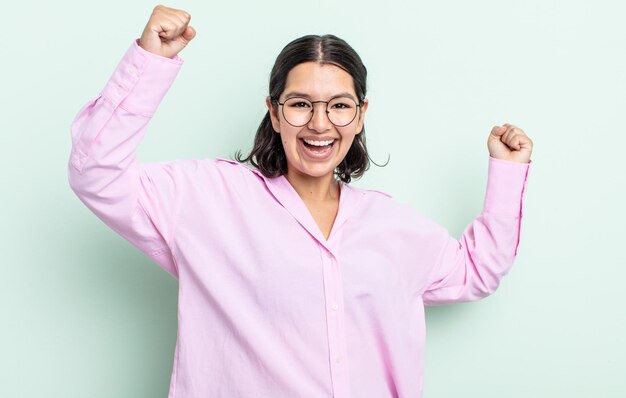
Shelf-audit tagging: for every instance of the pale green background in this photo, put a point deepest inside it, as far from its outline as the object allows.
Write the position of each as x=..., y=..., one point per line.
x=84, y=314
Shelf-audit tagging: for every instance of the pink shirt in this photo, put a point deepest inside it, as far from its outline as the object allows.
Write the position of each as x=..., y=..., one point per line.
x=268, y=307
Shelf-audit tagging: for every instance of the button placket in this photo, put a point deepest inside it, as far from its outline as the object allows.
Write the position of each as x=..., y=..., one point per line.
x=336, y=331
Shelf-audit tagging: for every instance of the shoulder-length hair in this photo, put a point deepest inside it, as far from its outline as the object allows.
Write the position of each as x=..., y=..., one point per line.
x=268, y=154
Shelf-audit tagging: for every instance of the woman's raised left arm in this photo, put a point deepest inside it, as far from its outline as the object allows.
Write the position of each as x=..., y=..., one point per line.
x=471, y=268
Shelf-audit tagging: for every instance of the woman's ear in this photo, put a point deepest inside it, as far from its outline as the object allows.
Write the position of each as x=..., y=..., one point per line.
x=362, y=110
x=273, y=110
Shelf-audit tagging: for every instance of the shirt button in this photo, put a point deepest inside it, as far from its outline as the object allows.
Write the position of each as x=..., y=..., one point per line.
x=338, y=359
x=132, y=71
x=119, y=90
x=334, y=307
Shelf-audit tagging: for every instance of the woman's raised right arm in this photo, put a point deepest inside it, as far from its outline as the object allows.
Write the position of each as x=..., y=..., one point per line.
x=138, y=201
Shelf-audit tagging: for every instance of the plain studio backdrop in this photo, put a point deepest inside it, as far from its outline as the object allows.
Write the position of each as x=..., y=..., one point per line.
x=85, y=314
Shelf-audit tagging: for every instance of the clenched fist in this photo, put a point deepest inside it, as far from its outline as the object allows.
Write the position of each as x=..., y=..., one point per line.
x=167, y=32
x=508, y=142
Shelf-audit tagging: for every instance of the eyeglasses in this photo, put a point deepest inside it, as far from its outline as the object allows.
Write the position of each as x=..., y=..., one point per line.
x=298, y=111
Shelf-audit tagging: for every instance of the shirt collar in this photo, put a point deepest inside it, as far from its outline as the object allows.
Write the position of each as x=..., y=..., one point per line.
x=287, y=196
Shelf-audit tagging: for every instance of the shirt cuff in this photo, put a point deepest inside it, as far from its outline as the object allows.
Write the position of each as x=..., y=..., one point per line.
x=141, y=80
x=506, y=185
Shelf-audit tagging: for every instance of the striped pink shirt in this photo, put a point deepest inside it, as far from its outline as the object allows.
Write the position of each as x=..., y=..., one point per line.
x=267, y=306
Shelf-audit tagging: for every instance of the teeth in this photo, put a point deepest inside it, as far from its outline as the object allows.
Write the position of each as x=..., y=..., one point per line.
x=319, y=143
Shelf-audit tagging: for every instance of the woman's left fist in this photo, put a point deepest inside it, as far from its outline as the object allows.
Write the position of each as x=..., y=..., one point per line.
x=508, y=142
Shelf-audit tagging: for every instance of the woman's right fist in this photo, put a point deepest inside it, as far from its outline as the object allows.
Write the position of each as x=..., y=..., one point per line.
x=167, y=32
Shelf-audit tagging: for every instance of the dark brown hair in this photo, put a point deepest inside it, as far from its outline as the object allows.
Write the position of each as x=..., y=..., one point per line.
x=268, y=154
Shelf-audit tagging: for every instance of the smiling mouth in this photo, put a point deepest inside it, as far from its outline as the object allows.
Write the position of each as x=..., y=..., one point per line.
x=318, y=145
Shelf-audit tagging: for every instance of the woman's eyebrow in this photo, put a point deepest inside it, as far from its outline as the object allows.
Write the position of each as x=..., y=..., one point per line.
x=298, y=94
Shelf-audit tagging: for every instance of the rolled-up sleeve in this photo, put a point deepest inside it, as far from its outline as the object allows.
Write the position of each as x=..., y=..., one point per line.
x=139, y=201
x=472, y=267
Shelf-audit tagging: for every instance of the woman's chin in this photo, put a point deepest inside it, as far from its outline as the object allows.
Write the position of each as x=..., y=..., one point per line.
x=316, y=170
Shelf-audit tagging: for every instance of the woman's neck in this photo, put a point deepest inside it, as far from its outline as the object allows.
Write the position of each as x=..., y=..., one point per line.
x=317, y=189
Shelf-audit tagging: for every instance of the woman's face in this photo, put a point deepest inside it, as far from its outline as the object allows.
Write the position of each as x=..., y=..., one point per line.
x=316, y=82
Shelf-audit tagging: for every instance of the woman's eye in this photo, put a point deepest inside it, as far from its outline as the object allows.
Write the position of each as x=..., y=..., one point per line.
x=299, y=104
x=341, y=105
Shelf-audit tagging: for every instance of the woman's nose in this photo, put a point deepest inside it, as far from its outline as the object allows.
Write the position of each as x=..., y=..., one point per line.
x=320, y=121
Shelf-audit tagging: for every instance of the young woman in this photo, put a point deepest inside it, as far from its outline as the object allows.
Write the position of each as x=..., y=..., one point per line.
x=292, y=283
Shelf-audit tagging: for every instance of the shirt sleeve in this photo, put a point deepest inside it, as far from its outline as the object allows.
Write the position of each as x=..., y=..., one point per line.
x=472, y=267
x=139, y=201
